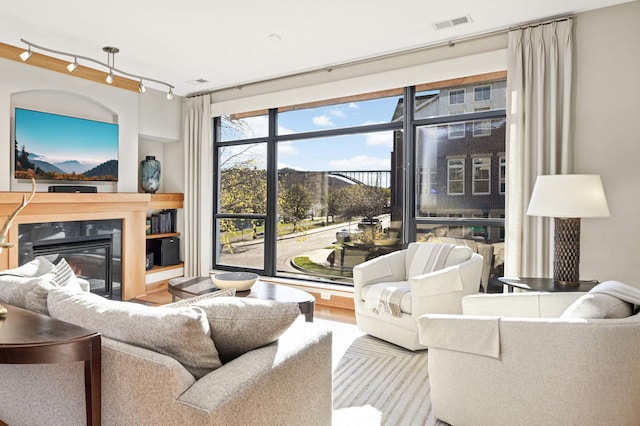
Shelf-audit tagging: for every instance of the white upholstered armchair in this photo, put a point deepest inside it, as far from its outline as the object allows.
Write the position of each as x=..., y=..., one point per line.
x=535, y=359
x=393, y=290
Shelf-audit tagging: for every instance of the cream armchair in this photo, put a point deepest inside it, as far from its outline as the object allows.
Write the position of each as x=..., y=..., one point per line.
x=516, y=359
x=394, y=290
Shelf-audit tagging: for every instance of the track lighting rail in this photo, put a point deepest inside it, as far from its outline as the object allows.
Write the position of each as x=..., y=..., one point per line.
x=111, y=51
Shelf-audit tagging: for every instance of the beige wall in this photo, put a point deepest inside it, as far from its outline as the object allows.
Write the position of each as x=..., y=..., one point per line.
x=607, y=137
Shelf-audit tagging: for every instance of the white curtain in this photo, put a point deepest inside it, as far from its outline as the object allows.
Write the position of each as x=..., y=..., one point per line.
x=198, y=186
x=539, y=140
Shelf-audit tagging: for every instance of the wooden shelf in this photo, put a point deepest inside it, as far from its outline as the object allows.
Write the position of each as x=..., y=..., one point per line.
x=166, y=201
x=167, y=235
x=157, y=268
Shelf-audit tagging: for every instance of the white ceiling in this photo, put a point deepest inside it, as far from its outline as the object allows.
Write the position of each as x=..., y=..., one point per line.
x=231, y=43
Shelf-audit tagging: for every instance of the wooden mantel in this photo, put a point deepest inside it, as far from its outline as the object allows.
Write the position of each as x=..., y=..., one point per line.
x=62, y=207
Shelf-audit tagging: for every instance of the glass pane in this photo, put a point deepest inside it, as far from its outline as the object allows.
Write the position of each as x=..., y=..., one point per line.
x=233, y=127
x=460, y=100
x=350, y=114
x=241, y=243
x=243, y=179
x=335, y=204
x=444, y=178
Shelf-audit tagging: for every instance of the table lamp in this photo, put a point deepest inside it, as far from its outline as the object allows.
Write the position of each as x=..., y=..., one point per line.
x=567, y=198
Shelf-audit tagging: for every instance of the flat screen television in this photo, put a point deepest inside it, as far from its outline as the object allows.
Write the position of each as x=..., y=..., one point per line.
x=58, y=147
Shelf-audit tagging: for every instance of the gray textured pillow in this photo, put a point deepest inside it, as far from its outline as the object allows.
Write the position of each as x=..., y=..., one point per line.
x=13, y=290
x=598, y=306
x=182, y=333
x=239, y=325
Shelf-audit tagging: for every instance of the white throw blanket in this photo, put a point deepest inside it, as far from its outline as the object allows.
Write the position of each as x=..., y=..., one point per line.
x=619, y=290
x=386, y=300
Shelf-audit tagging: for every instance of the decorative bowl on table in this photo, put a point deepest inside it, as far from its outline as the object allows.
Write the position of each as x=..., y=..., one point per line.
x=241, y=281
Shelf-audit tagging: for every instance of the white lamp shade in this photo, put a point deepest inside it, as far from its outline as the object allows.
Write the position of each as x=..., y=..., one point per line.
x=568, y=196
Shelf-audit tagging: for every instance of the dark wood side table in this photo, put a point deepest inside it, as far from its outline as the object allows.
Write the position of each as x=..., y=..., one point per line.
x=186, y=287
x=543, y=284
x=30, y=338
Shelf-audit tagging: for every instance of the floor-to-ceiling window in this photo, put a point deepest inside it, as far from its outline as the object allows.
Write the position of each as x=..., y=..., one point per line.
x=312, y=190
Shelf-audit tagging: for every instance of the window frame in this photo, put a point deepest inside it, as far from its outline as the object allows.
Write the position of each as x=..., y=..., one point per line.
x=407, y=125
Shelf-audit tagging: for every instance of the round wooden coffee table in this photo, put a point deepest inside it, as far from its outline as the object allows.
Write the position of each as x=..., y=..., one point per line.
x=185, y=287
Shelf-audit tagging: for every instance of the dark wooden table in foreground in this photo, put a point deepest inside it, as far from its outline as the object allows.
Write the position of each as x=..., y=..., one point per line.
x=186, y=287
x=30, y=338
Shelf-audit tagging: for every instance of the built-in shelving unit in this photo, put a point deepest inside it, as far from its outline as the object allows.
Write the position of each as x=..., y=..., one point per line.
x=157, y=276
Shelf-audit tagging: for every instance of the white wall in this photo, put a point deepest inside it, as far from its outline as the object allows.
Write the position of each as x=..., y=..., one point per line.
x=607, y=137
x=32, y=87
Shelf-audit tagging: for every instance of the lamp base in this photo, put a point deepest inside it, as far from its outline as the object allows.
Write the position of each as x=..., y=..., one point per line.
x=566, y=283
x=566, y=261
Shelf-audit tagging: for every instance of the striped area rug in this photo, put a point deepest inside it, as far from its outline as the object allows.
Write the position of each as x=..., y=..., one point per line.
x=377, y=383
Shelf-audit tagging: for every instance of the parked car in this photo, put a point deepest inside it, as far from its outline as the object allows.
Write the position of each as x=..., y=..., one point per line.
x=343, y=236
x=370, y=223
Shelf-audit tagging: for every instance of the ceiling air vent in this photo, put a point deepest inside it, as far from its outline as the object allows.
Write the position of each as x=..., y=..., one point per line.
x=452, y=22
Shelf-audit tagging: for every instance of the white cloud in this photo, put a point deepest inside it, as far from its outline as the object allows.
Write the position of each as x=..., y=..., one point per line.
x=380, y=139
x=283, y=165
x=323, y=121
x=258, y=126
x=361, y=162
x=287, y=148
x=337, y=113
x=284, y=131
x=353, y=105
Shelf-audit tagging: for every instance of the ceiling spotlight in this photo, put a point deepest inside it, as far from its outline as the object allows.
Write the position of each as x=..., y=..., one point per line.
x=141, y=87
x=170, y=94
x=26, y=54
x=73, y=65
x=109, y=78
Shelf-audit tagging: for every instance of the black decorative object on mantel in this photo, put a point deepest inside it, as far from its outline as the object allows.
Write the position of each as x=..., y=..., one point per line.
x=150, y=174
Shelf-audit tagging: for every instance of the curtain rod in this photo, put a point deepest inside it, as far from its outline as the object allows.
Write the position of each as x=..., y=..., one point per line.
x=450, y=43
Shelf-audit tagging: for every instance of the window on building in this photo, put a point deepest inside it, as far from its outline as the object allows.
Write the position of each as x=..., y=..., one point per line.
x=482, y=93
x=481, y=128
x=503, y=175
x=455, y=177
x=482, y=176
x=456, y=97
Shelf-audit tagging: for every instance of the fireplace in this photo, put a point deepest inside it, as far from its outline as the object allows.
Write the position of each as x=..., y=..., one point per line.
x=92, y=248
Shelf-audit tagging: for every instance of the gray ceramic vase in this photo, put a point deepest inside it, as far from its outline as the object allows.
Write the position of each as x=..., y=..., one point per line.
x=150, y=174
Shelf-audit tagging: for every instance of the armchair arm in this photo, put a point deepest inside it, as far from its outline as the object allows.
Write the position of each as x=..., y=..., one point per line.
x=526, y=304
x=389, y=267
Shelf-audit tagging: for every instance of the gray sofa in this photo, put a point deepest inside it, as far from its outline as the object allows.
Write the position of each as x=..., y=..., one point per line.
x=287, y=382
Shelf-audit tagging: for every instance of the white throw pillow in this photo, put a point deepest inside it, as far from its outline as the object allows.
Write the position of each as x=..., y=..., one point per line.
x=60, y=276
x=182, y=333
x=239, y=325
x=598, y=306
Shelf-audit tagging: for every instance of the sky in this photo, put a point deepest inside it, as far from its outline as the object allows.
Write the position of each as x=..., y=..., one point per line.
x=56, y=138
x=353, y=152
